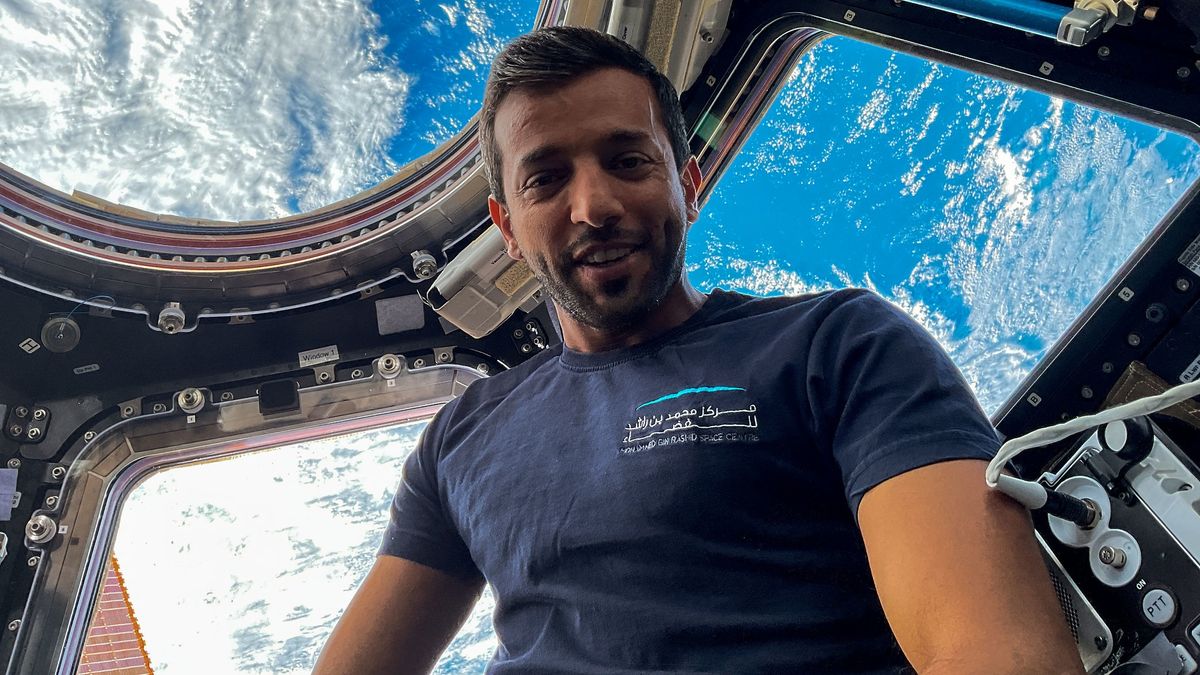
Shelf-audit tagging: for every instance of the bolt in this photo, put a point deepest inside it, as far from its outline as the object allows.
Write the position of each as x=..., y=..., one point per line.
x=1182, y=285
x=356, y=373
x=21, y=411
x=418, y=363
x=88, y=436
x=483, y=368
x=1086, y=392
x=51, y=501
x=14, y=463
x=58, y=472
x=127, y=411
x=1112, y=556
x=32, y=562
x=34, y=433
x=1183, y=73
x=227, y=396
x=39, y=414
x=16, y=430
x=323, y=377
x=1101, y=643
x=443, y=357
x=1103, y=52
x=159, y=407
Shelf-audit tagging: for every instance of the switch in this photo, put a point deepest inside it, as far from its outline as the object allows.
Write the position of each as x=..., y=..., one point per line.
x=1158, y=606
x=1185, y=660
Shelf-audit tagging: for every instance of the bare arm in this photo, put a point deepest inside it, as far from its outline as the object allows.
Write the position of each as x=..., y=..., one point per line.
x=960, y=577
x=399, y=621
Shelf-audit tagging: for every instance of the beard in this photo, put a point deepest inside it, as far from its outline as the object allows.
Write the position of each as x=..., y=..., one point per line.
x=618, y=304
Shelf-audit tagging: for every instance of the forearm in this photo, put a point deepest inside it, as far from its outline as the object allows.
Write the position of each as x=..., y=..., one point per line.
x=1007, y=664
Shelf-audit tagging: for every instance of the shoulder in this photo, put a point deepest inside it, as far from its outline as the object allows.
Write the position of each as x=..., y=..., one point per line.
x=812, y=311
x=484, y=394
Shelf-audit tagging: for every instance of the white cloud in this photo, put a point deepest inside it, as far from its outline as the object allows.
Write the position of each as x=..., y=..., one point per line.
x=219, y=109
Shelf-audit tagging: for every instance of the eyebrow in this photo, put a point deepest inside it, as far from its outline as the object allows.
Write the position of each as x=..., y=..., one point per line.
x=618, y=137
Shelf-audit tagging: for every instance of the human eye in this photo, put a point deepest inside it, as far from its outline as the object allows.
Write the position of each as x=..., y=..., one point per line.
x=539, y=180
x=630, y=161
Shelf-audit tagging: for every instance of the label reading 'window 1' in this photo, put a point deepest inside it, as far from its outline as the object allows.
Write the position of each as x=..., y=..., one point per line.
x=315, y=357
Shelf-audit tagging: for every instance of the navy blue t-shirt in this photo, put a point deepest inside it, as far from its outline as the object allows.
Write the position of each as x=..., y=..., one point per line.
x=688, y=504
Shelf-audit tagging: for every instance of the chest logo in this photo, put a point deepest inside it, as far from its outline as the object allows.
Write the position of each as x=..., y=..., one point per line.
x=696, y=415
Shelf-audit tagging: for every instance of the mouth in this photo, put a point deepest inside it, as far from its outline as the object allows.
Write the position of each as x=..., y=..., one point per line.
x=605, y=257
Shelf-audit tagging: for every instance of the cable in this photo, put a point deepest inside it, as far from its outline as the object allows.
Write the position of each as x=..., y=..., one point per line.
x=1058, y=432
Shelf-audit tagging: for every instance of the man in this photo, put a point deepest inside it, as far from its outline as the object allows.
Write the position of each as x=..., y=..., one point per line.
x=692, y=483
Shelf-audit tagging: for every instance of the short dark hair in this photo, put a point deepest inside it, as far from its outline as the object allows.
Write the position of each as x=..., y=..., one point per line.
x=552, y=57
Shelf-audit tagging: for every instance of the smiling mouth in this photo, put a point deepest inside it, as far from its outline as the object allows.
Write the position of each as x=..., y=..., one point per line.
x=607, y=257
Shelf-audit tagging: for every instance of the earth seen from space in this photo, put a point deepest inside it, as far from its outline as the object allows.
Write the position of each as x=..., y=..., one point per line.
x=990, y=213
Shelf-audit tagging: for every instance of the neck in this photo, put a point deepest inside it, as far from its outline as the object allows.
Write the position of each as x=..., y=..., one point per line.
x=680, y=304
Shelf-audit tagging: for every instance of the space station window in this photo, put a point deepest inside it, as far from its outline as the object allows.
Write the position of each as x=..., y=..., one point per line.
x=204, y=578
x=992, y=213
x=263, y=112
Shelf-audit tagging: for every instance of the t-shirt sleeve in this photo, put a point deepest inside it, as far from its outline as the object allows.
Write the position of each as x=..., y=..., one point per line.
x=887, y=397
x=420, y=528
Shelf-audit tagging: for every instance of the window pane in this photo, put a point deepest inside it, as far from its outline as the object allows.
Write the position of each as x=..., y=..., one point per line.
x=235, y=110
x=252, y=578
x=992, y=213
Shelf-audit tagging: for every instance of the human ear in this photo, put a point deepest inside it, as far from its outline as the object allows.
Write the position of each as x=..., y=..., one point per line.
x=691, y=179
x=499, y=213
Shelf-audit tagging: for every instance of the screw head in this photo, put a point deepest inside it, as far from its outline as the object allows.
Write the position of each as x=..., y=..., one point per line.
x=418, y=363
x=1103, y=52
x=1134, y=340
x=58, y=472
x=227, y=396
x=518, y=333
x=526, y=348
x=1086, y=392
x=34, y=433
x=443, y=357
x=14, y=624
x=159, y=407
x=51, y=501
x=1101, y=643
x=127, y=411
x=1106, y=367
x=16, y=430
x=14, y=463
x=90, y=435
x=531, y=326
x=32, y=562
x=483, y=368
x=21, y=411
x=39, y=413
x=1183, y=73
x=323, y=377
x=1182, y=285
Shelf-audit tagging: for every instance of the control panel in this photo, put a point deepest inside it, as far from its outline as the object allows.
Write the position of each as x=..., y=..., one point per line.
x=1130, y=582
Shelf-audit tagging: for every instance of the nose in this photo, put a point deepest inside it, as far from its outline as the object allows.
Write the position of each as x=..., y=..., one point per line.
x=595, y=197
